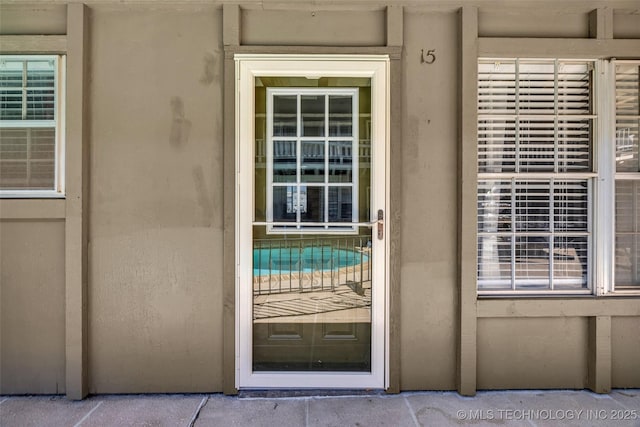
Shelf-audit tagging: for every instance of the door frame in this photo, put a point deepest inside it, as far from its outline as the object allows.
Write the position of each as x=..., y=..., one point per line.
x=247, y=68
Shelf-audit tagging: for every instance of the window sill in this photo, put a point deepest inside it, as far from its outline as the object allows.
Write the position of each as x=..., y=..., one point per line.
x=623, y=293
x=31, y=194
x=529, y=295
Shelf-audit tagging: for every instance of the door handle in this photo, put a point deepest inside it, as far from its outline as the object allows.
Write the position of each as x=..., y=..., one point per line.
x=380, y=224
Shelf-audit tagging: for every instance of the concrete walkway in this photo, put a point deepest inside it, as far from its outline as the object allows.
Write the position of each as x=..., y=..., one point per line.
x=509, y=408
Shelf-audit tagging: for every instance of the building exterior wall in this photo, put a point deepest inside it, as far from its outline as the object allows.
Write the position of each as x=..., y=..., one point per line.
x=429, y=291
x=32, y=307
x=156, y=210
x=312, y=28
x=159, y=192
x=625, y=347
x=539, y=353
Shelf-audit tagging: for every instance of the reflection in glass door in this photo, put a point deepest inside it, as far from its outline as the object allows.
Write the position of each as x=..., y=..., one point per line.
x=312, y=251
x=312, y=158
x=311, y=259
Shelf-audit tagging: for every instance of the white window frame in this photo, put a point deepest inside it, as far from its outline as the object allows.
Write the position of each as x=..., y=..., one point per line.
x=305, y=227
x=607, y=184
x=602, y=259
x=590, y=177
x=57, y=123
x=248, y=67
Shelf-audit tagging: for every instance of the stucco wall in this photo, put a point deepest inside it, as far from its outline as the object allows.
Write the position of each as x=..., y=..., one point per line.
x=625, y=352
x=429, y=177
x=516, y=353
x=313, y=27
x=626, y=25
x=44, y=19
x=32, y=317
x=533, y=23
x=155, y=282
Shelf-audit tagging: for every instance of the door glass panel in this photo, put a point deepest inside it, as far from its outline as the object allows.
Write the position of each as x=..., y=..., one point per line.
x=340, y=115
x=311, y=203
x=284, y=161
x=312, y=304
x=313, y=167
x=340, y=161
x=340, y=204
x=312, y=280
x=285, y=205
x=284, y=115
x=313, y=122
x=319, y=161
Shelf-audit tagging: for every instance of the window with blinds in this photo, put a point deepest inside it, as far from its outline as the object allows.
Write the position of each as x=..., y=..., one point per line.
x=535, y=171
x=627, y=175
x=29, y=124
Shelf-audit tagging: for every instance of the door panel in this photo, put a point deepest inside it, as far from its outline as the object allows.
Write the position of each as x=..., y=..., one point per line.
x=315, y=295
x=318, y=347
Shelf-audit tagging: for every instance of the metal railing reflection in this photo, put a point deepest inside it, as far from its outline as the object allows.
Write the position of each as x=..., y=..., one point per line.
x=311, y=264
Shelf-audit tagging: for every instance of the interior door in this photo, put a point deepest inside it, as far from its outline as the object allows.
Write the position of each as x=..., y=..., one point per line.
x=314, y=254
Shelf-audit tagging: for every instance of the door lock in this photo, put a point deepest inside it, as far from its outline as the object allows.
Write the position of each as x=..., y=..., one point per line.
x=380, y=224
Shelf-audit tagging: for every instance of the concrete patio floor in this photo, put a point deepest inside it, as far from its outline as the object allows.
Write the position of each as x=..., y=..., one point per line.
x=510, y=408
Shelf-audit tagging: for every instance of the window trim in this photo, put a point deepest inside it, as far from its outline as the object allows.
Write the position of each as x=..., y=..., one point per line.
x=58, y=123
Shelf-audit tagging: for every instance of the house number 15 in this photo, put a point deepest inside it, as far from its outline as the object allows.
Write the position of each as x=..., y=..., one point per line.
x=429, y=58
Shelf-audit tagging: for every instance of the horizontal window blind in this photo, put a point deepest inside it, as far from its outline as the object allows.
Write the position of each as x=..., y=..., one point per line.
x=535, y=233
x=535, y=126
x=27, y=158
x=534, y=116
x=627, y=205
x=27, y=89
x=28, y=122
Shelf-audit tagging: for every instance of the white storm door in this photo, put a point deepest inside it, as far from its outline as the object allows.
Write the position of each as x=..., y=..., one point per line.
x=312, y=250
